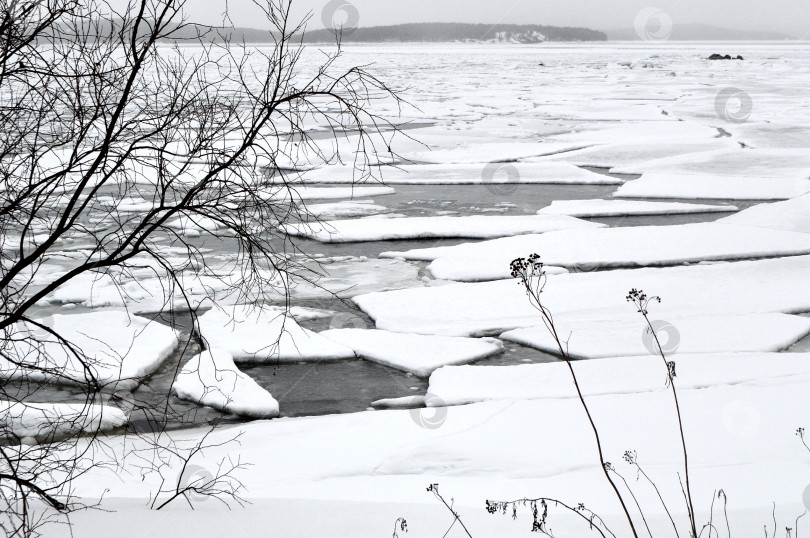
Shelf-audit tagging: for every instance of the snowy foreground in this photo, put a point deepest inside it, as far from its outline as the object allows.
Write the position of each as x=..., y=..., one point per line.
x=734, y=283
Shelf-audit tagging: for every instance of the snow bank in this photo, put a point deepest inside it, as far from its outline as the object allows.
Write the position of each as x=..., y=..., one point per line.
x=212, y=379
x=474, y=227
x=627, y=336
x=623, y=208
x=417, y=354
x=458, y=385
x=47, y=422
x=490, y=308
x=119, y=350
x=255, y=335
x=632, y=246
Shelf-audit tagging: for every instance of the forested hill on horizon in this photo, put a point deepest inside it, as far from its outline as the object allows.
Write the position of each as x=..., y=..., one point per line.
x=453, y=32
x=408, y=33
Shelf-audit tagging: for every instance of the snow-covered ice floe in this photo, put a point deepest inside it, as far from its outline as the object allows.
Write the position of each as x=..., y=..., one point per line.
x=358, y=208
x=327, y=193
x=414, y=353
x=116, y=350
x=626, y=156
x=792, y=215
x=255, y=335
x=458, y=385
x=623, y=208
x=699, y=186
x=543, y=172
x=588, y=250
x=490, y=308
x=473, y=227
x=793, y=163
x=46, y=422
x=212, y=379
x=630, y=335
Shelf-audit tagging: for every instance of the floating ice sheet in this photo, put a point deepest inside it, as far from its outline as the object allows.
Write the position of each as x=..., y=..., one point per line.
x=414, y=353
x=212, y=379
x=475, y=227
x=253, y=335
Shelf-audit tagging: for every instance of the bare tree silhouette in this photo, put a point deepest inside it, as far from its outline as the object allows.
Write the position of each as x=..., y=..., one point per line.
x=120, y=146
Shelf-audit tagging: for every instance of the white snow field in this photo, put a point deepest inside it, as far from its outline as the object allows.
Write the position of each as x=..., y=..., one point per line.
x=211, y=378
x=254, y=335
x=739, y=435
x=705, y=186
x=545, y=172
x=459, y=385
x=414, y=353
x=629, y=335
x=473, y=227
x=490, y=308
x=116, y=350
x=583, y=250
x=624, y=208
x=47, y=422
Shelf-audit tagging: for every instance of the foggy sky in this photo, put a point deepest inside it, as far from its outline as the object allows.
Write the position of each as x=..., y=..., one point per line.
x=787, y=16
